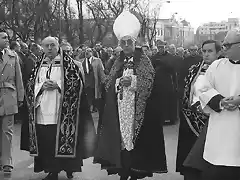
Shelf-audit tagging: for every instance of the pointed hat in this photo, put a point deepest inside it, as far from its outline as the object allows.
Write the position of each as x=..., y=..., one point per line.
x=126, y=24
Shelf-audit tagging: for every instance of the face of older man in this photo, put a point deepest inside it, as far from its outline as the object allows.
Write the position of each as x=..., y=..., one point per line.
x=231, y=45
x=50, y=47
x=128, y=45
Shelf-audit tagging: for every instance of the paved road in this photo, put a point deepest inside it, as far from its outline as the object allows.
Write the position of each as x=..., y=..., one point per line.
x=24, y=163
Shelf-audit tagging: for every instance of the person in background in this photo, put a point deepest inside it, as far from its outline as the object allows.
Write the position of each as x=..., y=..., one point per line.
x=180, y=52
x=94, y=76
x=67, y=48
x=78, y=54
x=100, y=53
x=109, y=52
x=24, y=48
x=168, y=65
x=111, y=61
x=172, y=49
x=11, y=98
x=15, y=46
x=154, y=50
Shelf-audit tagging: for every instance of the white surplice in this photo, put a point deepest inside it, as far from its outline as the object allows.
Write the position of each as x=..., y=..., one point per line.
x=47, y=103
x=126, y=109
x=222, y=146
x=196, y=85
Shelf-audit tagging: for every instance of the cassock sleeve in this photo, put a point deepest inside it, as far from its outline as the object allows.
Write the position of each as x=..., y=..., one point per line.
x=209, y=97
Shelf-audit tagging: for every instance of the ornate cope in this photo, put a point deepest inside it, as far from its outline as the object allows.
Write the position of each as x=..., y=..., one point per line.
x=196, y=119
x=67, y=127
x=145, y=74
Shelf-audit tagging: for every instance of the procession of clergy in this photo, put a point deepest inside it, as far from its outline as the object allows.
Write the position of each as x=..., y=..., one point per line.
x=58, y=128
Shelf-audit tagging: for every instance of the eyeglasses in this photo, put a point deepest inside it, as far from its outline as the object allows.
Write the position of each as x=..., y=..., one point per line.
x=227, y=46
x=128, y=42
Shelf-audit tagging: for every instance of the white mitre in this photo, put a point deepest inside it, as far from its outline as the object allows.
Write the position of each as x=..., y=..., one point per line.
x=126, y=24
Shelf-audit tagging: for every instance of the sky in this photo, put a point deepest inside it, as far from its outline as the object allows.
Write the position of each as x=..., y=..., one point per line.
x=198, y=12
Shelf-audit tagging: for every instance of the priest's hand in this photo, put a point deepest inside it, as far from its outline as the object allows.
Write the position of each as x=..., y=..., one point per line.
x=126, y=81
x=49, y=85
x=226, y=104
x=235, y=100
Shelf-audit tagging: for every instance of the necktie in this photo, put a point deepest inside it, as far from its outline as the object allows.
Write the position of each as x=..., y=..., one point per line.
x=89, y=65
x=234, y=62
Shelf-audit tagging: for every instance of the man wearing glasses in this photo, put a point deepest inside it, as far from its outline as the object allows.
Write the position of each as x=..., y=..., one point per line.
x=220, y=98
x=131, y=141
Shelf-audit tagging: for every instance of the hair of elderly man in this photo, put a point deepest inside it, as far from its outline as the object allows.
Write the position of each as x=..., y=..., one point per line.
x=50, y=37
x=217, y=44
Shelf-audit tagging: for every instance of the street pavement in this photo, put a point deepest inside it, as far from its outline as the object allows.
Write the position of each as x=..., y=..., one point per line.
x=23, y=163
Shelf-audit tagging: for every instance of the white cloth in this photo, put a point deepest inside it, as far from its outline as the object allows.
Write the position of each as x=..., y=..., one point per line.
x=90, y=60
x=197, y=84
x=222, y=146
x=47, y=104
x=126, y=109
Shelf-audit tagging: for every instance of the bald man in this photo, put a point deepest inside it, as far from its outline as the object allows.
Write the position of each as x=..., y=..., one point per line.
x=219, y=95
x=59, y=116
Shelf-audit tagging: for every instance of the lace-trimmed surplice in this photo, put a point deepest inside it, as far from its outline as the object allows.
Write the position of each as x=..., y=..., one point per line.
x=126, y=108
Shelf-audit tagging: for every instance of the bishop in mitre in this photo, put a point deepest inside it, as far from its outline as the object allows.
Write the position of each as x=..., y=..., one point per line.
x=219, y=96
x=61, y=130
x=131, y=142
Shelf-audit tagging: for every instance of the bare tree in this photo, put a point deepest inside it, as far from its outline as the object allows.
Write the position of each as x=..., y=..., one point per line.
x=80, y=17
x=102, y=19
x=148, y=18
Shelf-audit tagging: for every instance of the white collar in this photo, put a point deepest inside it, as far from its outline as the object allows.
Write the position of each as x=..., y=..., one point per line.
x=3, y=52
x=130, y=60
x=90, y=59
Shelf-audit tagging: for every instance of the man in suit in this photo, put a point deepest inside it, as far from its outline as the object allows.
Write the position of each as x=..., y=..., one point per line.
x=11, y=97
x=94, y=78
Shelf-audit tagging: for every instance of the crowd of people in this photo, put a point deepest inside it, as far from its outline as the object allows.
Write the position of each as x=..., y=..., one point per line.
x=54, y=89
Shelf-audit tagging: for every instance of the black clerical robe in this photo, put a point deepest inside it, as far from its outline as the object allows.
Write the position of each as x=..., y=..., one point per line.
x=148, y=155
x=64, y=145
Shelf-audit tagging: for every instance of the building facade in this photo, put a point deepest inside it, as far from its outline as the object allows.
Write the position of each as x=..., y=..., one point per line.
x=174, y=32
x=216, y=30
